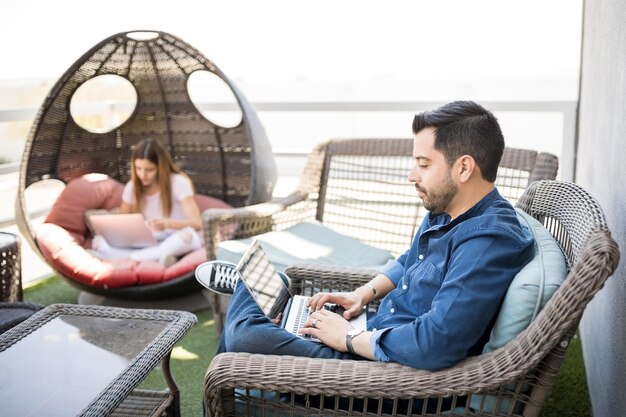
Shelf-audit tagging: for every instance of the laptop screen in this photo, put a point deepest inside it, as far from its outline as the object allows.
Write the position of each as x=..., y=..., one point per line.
x=263, y=281
x=122, y=230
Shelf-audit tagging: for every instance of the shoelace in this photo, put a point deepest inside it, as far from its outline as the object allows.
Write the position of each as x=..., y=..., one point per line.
x=226, y=276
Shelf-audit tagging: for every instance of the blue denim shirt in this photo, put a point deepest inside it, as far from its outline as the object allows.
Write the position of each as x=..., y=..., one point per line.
x=449, y=285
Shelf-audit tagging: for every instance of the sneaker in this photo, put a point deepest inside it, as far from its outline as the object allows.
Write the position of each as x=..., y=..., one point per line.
x=218, y=276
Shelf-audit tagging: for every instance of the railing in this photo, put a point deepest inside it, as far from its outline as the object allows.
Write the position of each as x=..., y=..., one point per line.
x=9, y=168
x=568, y=109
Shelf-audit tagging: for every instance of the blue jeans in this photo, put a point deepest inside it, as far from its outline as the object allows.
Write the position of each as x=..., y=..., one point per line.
x=248, y=329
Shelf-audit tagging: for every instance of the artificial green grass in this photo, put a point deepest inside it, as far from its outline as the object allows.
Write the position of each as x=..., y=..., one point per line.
x=194, y=352
x=570, y=395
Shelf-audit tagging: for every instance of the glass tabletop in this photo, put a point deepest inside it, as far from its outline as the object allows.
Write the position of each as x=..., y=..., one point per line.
x=58, y=369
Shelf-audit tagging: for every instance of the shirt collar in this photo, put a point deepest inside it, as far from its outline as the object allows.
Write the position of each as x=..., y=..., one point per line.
x=477, y=209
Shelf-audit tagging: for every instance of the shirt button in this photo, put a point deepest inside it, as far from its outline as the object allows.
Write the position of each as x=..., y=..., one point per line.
x=393, y=310
x=421, y=257
x=404, y=287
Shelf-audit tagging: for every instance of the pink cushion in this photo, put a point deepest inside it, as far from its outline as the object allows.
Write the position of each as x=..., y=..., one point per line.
x=92, y=191
x=150, y=272
x=186, y=264
x=64, y=253
x=63, y=237
x=205, y=202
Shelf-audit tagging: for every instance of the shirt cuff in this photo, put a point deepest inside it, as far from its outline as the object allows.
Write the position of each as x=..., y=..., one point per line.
x=378, y=352
x=394, y=270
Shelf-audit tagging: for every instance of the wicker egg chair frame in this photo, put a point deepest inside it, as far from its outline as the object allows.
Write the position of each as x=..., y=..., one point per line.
x=234, y=164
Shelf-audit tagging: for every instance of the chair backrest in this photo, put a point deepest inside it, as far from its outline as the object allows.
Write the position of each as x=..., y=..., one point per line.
x=364, y=191
x=234, y=164
x=576, y=221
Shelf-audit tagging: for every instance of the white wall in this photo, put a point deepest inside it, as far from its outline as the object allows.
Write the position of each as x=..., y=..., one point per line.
x=601, y=171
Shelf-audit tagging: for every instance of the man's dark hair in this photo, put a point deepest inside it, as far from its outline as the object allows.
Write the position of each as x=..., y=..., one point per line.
x=465, y=128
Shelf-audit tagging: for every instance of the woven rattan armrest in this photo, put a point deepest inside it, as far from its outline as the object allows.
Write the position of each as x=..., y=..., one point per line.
x=356, y=379
x=309, y=277
x=243, y=222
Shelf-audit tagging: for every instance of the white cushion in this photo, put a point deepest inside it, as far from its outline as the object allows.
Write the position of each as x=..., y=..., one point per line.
x=307, y=241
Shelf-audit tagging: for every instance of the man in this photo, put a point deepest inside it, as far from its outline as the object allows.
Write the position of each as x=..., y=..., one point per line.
x=441, y=297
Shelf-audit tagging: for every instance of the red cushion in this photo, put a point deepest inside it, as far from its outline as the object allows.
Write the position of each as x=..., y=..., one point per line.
x=92, y=191
x=64, y=253
x=150, y=272
x=186, y=264
x=205, y=202
x=62, y=238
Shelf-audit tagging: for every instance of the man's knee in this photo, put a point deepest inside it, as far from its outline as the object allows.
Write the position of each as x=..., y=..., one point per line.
x=249, y=334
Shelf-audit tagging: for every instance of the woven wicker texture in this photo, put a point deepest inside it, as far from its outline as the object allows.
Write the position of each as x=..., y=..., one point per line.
x=145, y=403
x=15, y=312
x=10, y=268
x=359, y=188
x=234, y=164
x=120, y=391
x=516, y=378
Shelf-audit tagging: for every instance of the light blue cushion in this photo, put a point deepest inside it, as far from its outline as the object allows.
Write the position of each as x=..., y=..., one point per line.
x=529, y=291
x=308, y=241
x=532, y=287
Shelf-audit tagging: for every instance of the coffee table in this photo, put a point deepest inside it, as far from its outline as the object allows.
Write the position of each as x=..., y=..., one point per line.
x=82, y=360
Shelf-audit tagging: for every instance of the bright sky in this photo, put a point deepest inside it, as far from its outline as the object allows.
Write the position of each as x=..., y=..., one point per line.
x=323, y=40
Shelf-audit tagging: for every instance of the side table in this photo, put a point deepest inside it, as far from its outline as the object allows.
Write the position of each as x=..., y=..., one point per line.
x=68, y=360
x=10, y=268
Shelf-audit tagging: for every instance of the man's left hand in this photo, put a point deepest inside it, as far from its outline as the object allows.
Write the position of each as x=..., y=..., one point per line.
x=330, y=328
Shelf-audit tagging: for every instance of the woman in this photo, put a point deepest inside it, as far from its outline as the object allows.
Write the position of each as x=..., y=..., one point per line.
x=165, y=196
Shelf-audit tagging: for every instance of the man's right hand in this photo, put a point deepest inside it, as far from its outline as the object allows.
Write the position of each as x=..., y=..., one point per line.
x=352, y=302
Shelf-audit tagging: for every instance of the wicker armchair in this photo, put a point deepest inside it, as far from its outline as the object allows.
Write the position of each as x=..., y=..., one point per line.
x=234, y=164
x=359, y=188
x=519, y=374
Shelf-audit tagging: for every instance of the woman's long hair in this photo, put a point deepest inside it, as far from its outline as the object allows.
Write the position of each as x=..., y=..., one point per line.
x=154, y=152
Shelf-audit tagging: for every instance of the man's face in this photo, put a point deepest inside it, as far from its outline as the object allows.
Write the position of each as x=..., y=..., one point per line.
x=431, y=174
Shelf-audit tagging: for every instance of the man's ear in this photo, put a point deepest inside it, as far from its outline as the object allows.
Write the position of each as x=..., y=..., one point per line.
x=466, y=166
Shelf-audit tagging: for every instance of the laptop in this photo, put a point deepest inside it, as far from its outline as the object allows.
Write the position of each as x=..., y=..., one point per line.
x=123, y=230
x=272, y=295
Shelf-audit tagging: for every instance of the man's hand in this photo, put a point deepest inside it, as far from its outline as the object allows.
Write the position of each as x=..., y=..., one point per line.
x=352, y=302
x=330, y=328
x=276, y=320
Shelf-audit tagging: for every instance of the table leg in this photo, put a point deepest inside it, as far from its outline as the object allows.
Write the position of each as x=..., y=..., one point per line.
x=165, y=364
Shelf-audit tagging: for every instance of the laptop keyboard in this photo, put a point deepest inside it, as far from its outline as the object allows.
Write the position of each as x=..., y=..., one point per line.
x=303, y=315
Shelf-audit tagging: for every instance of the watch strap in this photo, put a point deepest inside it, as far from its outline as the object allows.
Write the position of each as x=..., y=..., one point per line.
x=371, y=287
x=349, y=337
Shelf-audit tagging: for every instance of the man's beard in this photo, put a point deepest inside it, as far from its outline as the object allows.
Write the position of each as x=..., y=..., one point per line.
x=438, y=198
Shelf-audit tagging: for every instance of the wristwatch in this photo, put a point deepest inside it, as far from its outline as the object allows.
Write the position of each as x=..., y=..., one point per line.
x=351, y=335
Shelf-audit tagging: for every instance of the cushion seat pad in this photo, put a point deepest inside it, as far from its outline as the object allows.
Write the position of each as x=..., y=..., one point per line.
x=63, y=238
x=308, y=241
